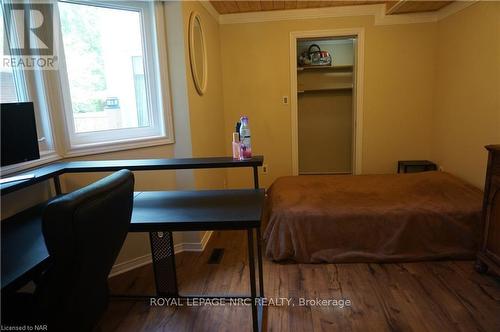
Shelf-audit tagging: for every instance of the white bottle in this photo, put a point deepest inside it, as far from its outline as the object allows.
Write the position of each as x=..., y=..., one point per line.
x=245, y=139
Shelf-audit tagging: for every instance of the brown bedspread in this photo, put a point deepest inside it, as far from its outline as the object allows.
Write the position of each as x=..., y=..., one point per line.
x=372, y=218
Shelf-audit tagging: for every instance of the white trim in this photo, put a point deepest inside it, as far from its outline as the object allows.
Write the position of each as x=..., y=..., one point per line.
x=210, y=9
x=98, y=148
x=298, y=14
x=194, y=246
x=137, y=262
x=358, y=122
x=45, y=158
x=360, y=92
x=381, y=18
x=85, y=150
x=163, y=70
x=454, y=8
x=205, y=239
x=396, y=6
x=130, y=265
x=294, y=103
x=188, y=246
x=376, y=10
x=152, y=37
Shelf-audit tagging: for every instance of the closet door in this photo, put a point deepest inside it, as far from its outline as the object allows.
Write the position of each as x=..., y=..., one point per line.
x=325, y=132
x=325, y=107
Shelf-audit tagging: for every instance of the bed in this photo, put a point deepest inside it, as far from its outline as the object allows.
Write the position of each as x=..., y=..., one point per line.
x=371, y=218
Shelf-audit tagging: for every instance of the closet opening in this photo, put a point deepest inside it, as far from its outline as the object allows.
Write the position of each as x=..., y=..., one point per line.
x=325, y=104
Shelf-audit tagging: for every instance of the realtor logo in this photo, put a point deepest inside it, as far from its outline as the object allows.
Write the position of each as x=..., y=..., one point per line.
x=29, y=36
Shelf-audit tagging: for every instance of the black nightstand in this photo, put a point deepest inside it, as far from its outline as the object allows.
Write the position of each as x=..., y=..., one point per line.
x=412, y=166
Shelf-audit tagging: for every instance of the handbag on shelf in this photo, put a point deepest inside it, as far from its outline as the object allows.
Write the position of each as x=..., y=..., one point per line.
x=314, y=56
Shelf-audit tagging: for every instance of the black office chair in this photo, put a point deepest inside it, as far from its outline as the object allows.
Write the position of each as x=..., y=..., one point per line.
x=84, y=232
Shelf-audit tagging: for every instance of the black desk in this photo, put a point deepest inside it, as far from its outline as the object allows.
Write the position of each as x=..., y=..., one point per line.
x=197, y=210
x=159, y=213
x=23, y=246
x=24, y=253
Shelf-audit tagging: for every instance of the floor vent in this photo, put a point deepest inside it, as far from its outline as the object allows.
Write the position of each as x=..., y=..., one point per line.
x=216, y=256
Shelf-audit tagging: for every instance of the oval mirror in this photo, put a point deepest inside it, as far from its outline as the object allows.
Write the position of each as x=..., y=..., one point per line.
x=197, y=53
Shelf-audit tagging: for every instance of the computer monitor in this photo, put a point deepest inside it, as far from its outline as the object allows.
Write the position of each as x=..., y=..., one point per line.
x=19, y=138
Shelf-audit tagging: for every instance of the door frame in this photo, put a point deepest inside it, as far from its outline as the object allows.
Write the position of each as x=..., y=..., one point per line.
x=358, y=78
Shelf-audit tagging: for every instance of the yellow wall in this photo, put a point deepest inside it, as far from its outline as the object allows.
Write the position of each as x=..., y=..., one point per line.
x=467, y=107
x=399, y=70
x=206, y=111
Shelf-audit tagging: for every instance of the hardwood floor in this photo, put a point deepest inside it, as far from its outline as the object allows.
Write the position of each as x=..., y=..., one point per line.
x=425, y=296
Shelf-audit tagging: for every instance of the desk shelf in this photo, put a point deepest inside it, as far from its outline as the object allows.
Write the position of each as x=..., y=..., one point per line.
x=55, y=170
x=153, y=211
x=196, y=210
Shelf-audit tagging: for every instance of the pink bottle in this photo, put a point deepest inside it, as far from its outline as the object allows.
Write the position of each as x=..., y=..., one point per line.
x=236, y=146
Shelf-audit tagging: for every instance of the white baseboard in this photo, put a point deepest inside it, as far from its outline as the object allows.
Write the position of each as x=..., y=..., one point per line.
x=129, y=265
x=206, y=238
x=146, y=259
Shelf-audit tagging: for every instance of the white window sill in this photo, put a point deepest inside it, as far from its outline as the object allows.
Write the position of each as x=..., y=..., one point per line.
x=45, y=158
x=85, y=150
x=98, y=148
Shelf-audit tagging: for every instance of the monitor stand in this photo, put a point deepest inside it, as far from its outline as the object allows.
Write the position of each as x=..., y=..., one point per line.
x=17, y=178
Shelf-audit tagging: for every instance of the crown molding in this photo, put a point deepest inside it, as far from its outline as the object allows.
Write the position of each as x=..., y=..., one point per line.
x=454, y=7
x=211, y=10
x=299, y=14
x=394, y=7
x=376, y=10
x=381, y=18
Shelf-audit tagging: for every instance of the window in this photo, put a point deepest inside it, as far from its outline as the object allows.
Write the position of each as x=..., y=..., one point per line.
x=109, y=90
x=110, y=78
x=13, y=89
x=18, y=85
x=8, y=86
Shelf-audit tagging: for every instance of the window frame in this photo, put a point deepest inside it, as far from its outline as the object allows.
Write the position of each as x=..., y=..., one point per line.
x=29, y=85
x=45, y=89
x=161, y=130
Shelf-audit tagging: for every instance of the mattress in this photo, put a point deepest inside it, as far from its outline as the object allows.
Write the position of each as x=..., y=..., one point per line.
x=372, y=218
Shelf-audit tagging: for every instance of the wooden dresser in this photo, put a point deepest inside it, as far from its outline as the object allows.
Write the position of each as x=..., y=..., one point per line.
x=489, y=254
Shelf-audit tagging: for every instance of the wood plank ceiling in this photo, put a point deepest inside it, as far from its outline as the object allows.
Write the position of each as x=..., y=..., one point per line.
x=392, y=7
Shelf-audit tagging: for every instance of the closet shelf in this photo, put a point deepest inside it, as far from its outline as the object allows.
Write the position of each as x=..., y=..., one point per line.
x=339, y=87
x=326, y=68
